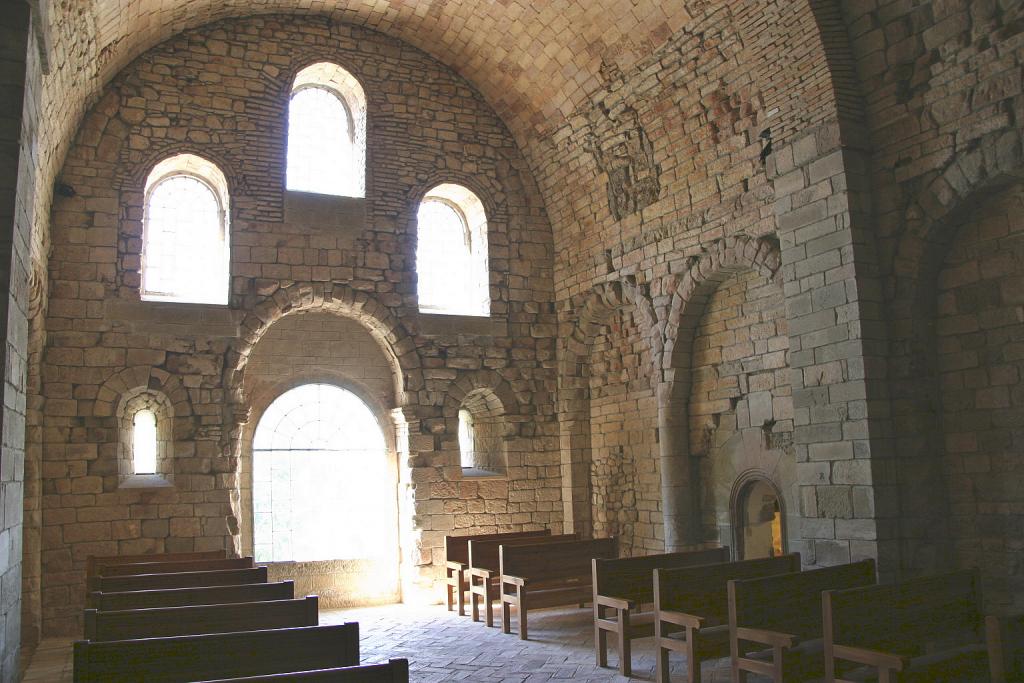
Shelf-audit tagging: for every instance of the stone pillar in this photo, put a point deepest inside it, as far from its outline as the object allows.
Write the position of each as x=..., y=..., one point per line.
x=677, y=495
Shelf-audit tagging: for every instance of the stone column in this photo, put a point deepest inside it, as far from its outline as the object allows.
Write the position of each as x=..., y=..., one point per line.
x=677, y=495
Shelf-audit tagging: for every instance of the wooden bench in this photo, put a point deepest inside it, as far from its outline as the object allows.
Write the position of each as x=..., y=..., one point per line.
x=456, y=560
x=547, y=576
x=220, y=577
x=95, y=564
x=179, y=597
x=130, y=569
x=182, y=621
x=216, y=655
x=781, y=616
x=691, y=609
x=483, y=569
x=623, y=586
x=395, y=671
x=928, y=628
x=1005, y=637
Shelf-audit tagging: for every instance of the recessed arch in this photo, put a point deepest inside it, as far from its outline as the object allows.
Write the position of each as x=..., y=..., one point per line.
x=758, y=511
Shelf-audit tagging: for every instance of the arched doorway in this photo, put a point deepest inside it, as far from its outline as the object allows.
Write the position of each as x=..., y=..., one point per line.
x=758, y=520
x=322, y=486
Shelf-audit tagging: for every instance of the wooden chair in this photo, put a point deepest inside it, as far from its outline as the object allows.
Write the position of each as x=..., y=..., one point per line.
x=395, y=671
x=691, y=609
x=483, y=569
x=206, y=595
x=194, y=619
x=926, y=629
x=95, y=564
x=456, y=560
x=547, y=576
x=781, y=617
x=138, y=582
x=623, y=586
x=212, y=656
x=204, y=565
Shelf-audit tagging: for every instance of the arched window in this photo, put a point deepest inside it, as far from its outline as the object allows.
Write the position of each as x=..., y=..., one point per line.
x=321, y=489
x=451, y=253
x=327, y=132
x=759, y=520
x=466, y=437
x=185, y=253
x=482, y=435
x=144, y=442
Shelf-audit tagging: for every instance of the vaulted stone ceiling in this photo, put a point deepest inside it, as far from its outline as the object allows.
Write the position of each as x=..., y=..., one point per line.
x=534, y=60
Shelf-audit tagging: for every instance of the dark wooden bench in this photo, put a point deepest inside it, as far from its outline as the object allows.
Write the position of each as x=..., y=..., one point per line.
x=95, y=564
x=691, y=609
x=209, y=656
x=456, y=560
x=929, y=628
x=193, y=619
x=1005, y=636
x=220, y=577
x=547, y=576
x=133, y=568
x=625, y=585
x=780, y=617
x=179, y=597
x=483, y=569
x=395, y=671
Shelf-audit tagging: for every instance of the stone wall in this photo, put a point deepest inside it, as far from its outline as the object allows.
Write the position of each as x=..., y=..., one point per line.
x=289, y=253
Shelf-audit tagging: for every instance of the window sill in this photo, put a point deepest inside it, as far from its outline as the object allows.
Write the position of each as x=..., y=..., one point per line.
x=480, y=473
x=435, y=324
x=145, y=481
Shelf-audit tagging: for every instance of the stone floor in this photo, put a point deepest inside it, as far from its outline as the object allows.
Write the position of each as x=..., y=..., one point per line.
x=441, y=646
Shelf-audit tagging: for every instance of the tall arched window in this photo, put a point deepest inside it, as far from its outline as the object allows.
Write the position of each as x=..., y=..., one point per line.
x=144, y=442
x=185, y=252
x=451, y=253
x=321, y=489
x=327, y=132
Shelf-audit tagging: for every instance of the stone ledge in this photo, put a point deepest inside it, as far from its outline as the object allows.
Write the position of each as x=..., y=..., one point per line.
x=437, y=324
x=166, y=317
x=308, y=211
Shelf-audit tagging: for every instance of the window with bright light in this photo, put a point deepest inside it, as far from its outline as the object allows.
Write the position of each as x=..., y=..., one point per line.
x=466, y=437
x=144, y=440
x=185, y=233
x=321, y=488
x=451, y=253
x=327, y=133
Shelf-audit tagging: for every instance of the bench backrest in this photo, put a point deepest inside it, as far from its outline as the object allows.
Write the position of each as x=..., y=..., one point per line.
x=904, y=617
x=182, y=621
x=631, y=578
x=553, y=561
x=207, y=595
x=791, y=603
x=484, y=554
x=703, y=591
x=456, y=548
x=217, y=655
x=177, y=566
x=219, y=577
x=395, y=671
x=94, y=564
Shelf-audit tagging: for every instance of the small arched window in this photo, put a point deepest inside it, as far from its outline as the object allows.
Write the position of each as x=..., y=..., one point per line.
x=466, y=437
x=451, y=253
x=185, y=253
x=144, y=440
x=327, y=133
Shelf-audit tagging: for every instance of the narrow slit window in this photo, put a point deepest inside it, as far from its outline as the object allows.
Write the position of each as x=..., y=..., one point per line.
x=144, y=442
x=466, y=438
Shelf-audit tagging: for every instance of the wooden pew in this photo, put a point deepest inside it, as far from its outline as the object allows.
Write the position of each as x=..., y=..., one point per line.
x=456, y=560
x=179, y=597
x=548, y=575
x=781, y=615
x=209, y=656
x=926, y=629
x=95, y=564
x=1005, y=637
x=133, y=568
x=395, y=671
x=220, y=577
x=193, y=619
x=622, y=586
x=483, y=570
x=693, y=602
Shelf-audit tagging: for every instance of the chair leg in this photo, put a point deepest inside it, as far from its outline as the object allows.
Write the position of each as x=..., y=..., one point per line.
x=461, y=594
x=661, y=672
x=489, y=604
x=692, y=660
x=625, y=655
x=521, y=595
x=506, y=617
x=600, y=639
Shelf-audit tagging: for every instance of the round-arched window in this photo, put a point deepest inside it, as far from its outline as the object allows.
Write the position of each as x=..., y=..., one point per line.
x=321, y=486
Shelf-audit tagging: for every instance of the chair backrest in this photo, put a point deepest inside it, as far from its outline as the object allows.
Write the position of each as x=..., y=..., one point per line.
x=206, y=595
x=94, y=564
x=395, y=671
x=204, y=565
x=219, y=577
x=631, y=578
x=456, y=548
x=554, y=561
x=484, y=554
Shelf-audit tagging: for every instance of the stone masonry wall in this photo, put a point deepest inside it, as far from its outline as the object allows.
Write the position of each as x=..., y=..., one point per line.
x=425, y=126
x=980, y=346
